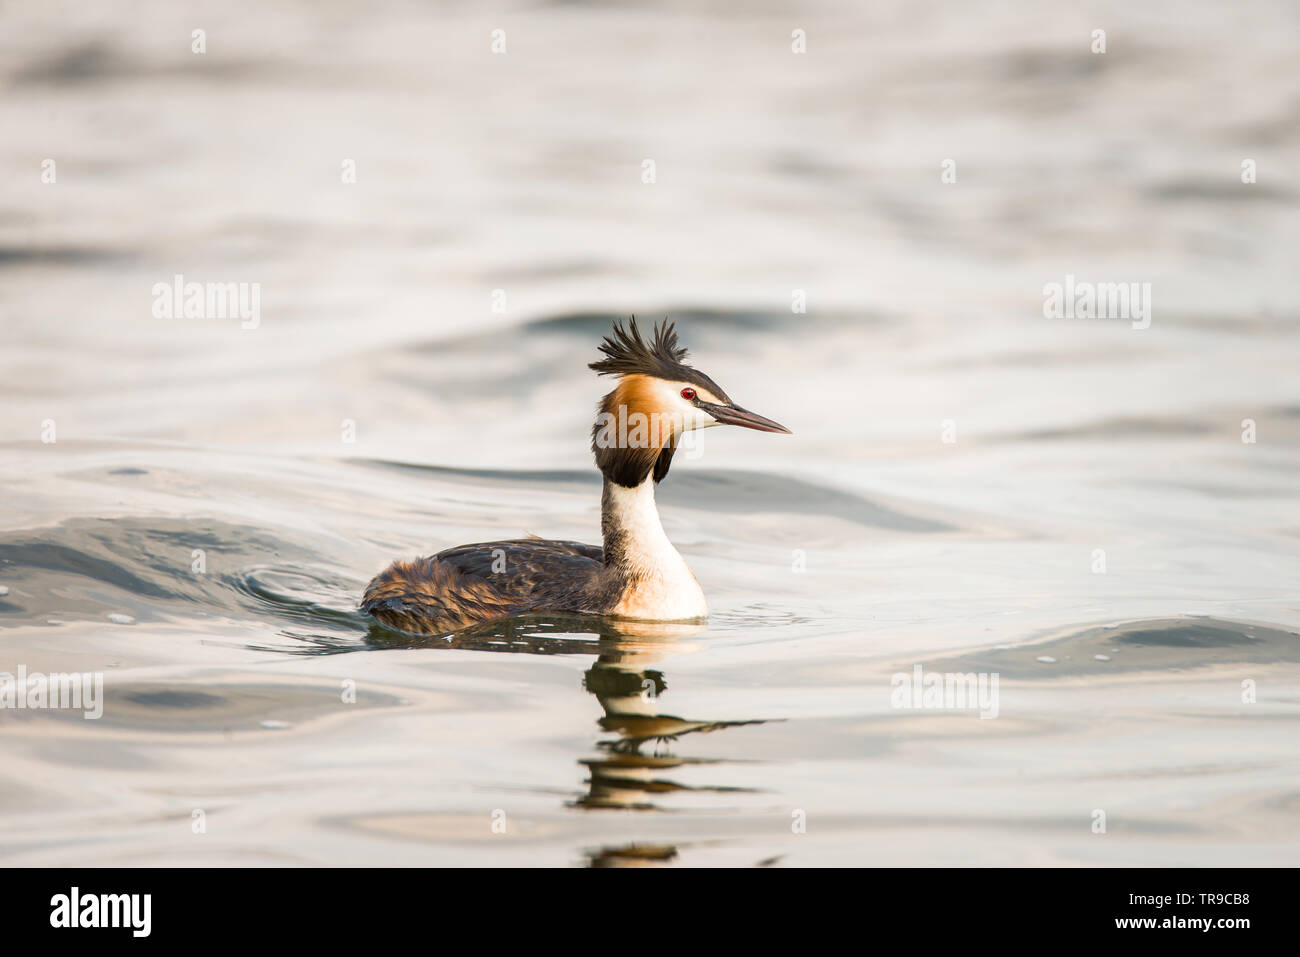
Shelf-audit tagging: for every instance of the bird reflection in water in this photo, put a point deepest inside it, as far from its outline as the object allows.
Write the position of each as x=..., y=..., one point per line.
x=632, y=769
x=633, y=766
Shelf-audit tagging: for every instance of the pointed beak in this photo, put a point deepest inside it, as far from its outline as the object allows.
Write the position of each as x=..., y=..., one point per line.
x=735, y=415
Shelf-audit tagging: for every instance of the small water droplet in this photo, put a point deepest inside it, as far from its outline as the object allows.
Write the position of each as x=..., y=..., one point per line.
x=1046, y=659
x=118, y=618
x=275, y=725
x=1102, y=657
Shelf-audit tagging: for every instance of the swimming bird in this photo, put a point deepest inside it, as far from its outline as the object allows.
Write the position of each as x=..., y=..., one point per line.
x=636, y=573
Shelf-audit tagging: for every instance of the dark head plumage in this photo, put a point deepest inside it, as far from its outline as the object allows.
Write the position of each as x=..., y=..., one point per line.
x=627, y=353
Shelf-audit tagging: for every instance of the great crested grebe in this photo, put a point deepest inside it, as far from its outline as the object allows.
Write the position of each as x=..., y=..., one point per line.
x=637, y=574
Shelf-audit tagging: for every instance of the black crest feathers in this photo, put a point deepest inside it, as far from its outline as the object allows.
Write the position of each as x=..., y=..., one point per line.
x=627, y=353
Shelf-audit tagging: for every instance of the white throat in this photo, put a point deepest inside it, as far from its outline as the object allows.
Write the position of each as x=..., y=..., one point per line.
x=660, y=585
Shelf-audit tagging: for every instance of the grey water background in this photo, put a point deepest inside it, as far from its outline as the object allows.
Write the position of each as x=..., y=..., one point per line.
x=858, y=548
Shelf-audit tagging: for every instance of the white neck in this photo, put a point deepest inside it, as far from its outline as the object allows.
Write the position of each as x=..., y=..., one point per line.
x=659, y=585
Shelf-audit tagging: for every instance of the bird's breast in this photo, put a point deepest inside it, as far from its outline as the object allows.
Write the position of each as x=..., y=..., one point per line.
x=672, y=597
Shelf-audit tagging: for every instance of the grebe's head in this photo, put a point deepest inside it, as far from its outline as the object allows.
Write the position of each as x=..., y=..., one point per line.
x=658, y=398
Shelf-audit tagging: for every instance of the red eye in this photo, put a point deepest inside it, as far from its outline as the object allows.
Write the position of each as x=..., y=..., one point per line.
x=688, y=393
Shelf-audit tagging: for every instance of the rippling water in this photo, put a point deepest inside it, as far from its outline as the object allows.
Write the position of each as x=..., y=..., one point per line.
x=1096, y=533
